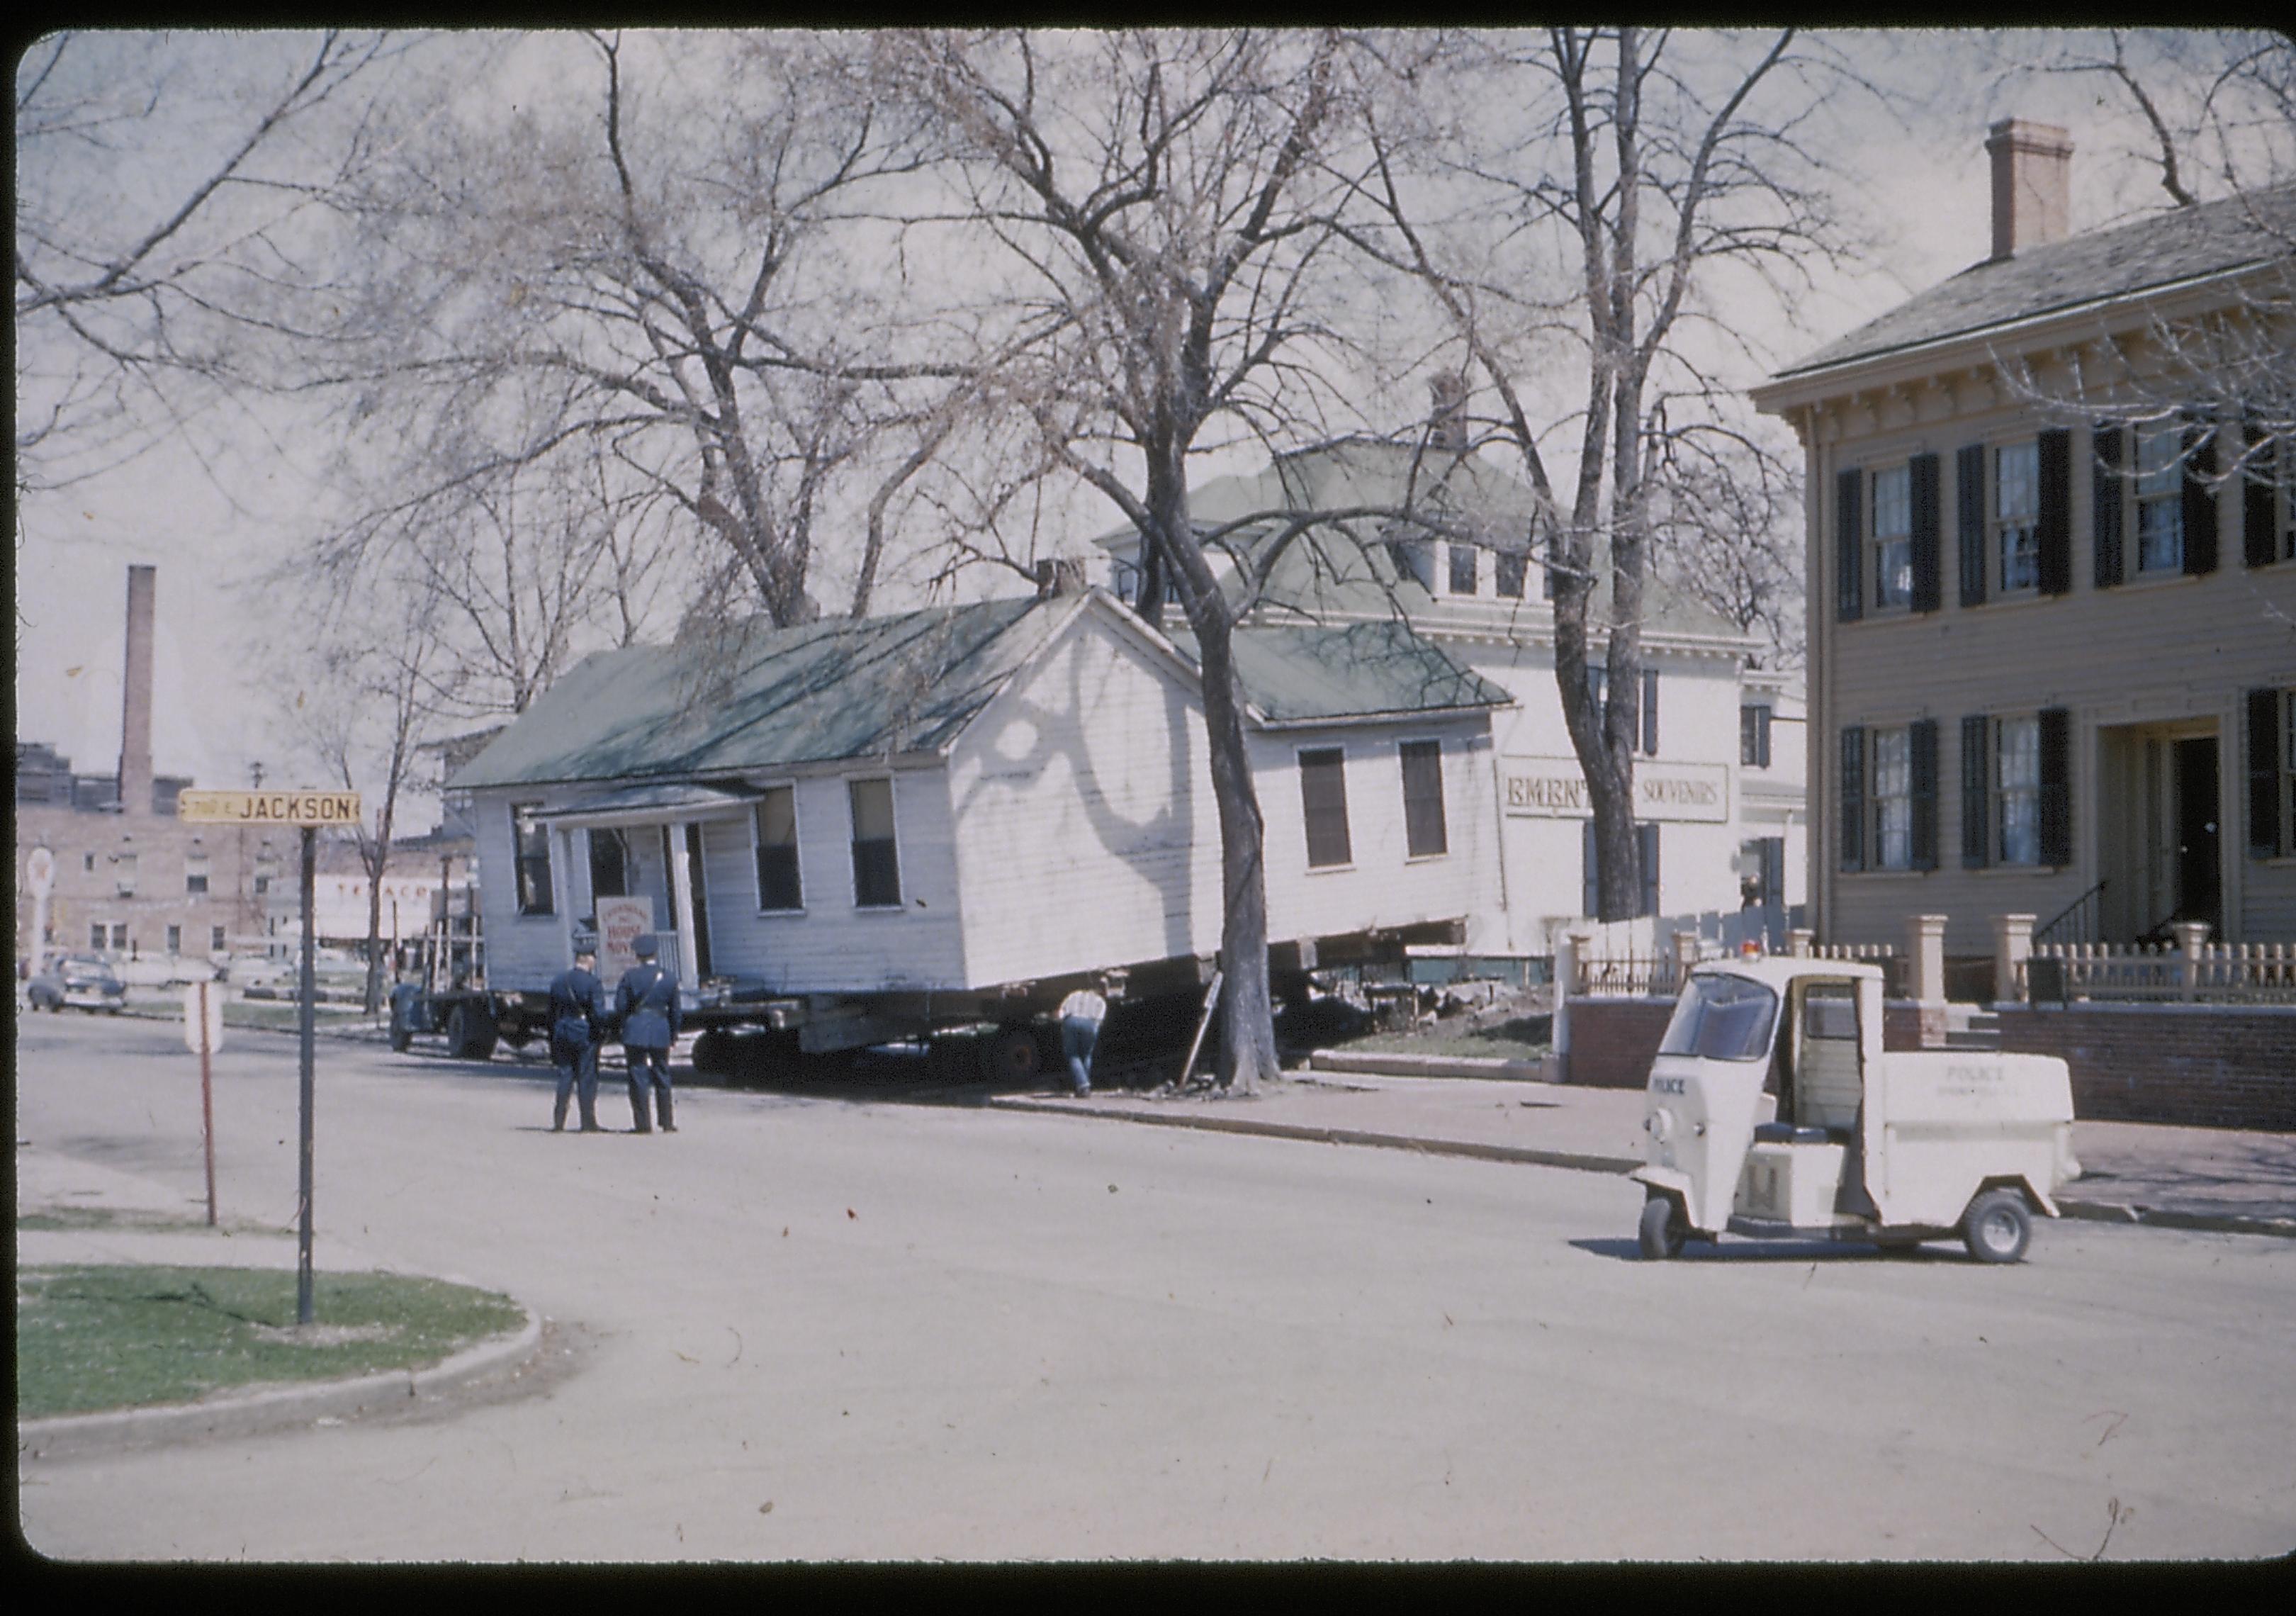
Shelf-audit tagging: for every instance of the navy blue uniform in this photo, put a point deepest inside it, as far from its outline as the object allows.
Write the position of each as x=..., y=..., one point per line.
x=577, y=1022
x=646, y=1004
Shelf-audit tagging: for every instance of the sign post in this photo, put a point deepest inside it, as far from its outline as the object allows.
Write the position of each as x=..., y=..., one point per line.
x=306, y=810
x=203, y=1031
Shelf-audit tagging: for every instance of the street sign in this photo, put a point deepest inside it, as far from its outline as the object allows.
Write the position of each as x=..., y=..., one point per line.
x=203, y=1017
x=295, y=807
x=40, y=871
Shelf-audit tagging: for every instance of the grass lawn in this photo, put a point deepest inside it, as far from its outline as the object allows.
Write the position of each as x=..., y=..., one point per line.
x=1521, y=1038
x=93, y=1338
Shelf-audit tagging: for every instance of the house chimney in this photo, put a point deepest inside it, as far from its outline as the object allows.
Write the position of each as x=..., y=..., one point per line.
x=136, y=718
x=2032, y=185
x=1448, y=413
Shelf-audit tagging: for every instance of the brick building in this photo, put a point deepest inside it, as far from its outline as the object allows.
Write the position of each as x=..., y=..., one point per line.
x=130, y=877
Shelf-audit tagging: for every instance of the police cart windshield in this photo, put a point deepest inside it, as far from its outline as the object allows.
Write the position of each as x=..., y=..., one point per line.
x=1723, y=1018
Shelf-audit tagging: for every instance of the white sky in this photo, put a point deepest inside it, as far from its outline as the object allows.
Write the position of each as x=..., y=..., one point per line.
x=1928, y=186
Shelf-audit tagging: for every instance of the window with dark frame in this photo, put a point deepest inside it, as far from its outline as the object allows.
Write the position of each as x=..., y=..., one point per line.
x=1462, y=569
x=531, y=841
x=216, y=944
x=876, y=861
x=1324, y=802
x=779, y=886
x=1645, y=854
x=1754, y=736
x=1423, y=831
x=195, y=871
x=1509, y=569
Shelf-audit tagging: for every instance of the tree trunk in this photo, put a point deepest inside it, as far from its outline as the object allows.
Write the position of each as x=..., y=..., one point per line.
x=1247, y=1015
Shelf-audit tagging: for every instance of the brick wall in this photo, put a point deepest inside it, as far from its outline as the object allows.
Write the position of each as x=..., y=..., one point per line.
x=2197, y=1065
x=2187, y=1065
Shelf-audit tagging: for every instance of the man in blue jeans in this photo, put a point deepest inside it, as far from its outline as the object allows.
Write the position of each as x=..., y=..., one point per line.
x=1081, y=1013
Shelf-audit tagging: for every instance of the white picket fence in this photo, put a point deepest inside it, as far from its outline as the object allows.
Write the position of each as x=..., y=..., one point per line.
x=2214, y=973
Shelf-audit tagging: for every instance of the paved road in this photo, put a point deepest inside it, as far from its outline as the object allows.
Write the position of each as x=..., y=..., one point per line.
x=918, y=1332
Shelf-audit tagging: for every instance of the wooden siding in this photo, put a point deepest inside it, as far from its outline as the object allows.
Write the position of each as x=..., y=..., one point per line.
x=2148, y=650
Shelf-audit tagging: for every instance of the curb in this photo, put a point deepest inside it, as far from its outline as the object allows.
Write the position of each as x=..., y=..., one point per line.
x=1384, y=1064
x=2095, y=1211
x=274, y=1407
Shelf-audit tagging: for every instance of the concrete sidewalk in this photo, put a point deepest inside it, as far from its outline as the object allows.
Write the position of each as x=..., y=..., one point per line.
x=2184, y=1177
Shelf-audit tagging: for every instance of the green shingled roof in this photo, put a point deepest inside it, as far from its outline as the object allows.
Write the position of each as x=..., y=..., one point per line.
x=837, y=690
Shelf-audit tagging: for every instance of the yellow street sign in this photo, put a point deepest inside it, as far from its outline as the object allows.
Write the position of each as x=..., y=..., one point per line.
x=296, y=808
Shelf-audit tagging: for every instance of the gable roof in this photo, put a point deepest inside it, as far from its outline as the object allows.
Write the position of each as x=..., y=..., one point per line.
x=1351, y=571
x=837, y=690
x=2148, y=255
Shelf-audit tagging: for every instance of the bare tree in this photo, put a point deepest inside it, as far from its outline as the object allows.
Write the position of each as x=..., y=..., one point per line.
x=168, y=187
x=1162, y=204
x=672, y=262
x=1574, y=242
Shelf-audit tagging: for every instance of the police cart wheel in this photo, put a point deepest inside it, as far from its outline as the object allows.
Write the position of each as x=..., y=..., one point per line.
x=1998, y=1227
x=1011, y=1056
x=1664, y=1228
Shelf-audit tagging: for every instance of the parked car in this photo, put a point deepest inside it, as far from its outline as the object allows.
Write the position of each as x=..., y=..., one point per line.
x=79, y=980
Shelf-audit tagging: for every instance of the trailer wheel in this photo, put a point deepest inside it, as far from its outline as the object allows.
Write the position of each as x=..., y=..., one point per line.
x=1664, y=1228
x=471, y=1033
x=1997, y=1226
x=713, y=1053
x=1011, y=1056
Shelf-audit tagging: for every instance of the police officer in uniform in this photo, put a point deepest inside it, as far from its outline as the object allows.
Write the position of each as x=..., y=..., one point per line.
x=577, y=1022
x=646, y=1005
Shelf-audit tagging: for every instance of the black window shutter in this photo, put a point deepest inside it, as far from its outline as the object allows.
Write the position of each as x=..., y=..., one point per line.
x=1650, y=712
x=1853, y=798
x=1922, y=488
x=2200, y=498
x=1646, y=846
x=1590, y=890
x=1976, y=791
x=2054, y=456
x=1849, y=543
x=2264, y=775
x=2256, y=503
x=2056, y=786
x=2107, y=490
x=1922, y=739
x=1969, y=521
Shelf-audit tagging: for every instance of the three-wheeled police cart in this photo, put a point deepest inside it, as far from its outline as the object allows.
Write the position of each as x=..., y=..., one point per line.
x=1773, y=1110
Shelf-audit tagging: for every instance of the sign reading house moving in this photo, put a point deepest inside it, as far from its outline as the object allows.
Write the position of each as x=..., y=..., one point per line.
x=268, y=807
x=1553, y=788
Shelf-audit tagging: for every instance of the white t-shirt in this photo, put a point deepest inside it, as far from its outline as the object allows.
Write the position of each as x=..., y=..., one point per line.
x=1083, y=1004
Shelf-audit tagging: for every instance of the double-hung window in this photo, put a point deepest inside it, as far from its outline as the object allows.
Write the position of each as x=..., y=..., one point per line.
x=1754, y=736
x=1462, y=569
x=1324, y=804
x=2271, y=773
x=1509, y=568
x=2159, y=497
x=1891, y=800
x=2017, y=515
x=1892, y=538
x=779, y=886
x=124, y=873
x=530, y=842
x=876, y=862
x=2017, y=790
x=1423, y=831
x=195, y=871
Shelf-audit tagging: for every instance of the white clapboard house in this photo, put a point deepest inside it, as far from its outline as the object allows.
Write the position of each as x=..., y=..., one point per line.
x=907, y=821
x=1718, y=808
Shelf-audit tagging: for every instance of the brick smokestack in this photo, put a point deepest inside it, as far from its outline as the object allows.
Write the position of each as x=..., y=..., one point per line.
x=136, y=718
x=2032, y=185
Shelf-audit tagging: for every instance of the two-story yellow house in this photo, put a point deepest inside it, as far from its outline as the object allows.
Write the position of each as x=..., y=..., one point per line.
x=2053, y=581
